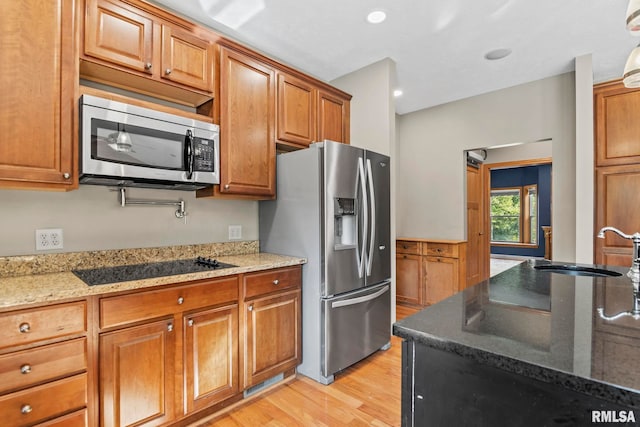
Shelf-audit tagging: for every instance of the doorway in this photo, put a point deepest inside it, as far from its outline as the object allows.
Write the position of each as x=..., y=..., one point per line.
x=480, y=228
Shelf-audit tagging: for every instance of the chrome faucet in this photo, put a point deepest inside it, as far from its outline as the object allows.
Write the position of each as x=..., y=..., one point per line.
x=634, y=271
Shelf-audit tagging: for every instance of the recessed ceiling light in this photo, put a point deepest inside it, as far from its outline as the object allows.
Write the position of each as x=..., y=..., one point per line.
x=495, y=54
x=376, y=17
x=397, y=93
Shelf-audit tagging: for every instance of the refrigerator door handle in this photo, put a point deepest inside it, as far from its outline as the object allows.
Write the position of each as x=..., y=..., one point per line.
x=373, y=217
x=365, y=212
x=359, y=300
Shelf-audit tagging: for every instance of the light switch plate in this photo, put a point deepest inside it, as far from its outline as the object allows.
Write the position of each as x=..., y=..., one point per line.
x=235, y=232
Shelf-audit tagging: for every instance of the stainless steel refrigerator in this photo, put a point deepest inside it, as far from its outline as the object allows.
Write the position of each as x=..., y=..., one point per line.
x=333, y=207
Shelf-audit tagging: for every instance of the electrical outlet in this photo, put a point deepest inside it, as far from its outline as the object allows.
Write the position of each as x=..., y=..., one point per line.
x=48, y=239
x=235, y=232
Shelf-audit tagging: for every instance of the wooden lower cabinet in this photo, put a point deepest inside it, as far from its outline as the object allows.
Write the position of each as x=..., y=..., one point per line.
x=210, y=356
x=137, y=370
x=428, y=271
x=440, y=278
x=273, y=323
x=408, y=278
x=173, y=354
x=43, y=353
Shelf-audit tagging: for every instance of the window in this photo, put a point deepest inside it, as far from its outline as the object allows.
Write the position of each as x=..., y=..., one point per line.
x=514, y=215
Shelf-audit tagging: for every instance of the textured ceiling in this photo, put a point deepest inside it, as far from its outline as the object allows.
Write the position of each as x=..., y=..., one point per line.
x=438, y=45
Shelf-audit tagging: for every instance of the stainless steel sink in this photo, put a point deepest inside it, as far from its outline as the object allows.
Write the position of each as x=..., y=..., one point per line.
x=576, y=270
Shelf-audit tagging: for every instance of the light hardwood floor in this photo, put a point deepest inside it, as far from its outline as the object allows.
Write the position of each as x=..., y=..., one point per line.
x=366, y=394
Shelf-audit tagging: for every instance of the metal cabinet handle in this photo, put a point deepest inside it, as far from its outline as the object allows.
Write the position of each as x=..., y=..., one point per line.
x=167, y=71
x=24, y=328
x=170, y=327
x=66, y=175
x=382, y=247
x=25, y=369
x=190, y=322
x=148, y=66
x=25, y=409
x=226, y=186
x=250, y=308
x=275, y=282
x=180, y=300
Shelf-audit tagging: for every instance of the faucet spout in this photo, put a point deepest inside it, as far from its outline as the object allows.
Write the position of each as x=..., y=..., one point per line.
x=615, y=230
x=634, y=271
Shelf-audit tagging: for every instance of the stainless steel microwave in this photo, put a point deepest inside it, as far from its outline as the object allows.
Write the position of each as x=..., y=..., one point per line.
x=128, y=145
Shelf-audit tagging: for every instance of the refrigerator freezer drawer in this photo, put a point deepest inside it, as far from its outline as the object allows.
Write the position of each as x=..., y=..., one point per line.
x=356, y=325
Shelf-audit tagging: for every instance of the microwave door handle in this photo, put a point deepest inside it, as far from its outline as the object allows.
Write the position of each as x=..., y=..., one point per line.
x=188, y=153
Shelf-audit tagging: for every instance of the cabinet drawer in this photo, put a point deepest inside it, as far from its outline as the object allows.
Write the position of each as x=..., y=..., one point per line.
x=119, y=310
x=406, y=247
x=43, y=402
x=25, y=368
x=75, y=419
x=271, y=281
x=27, y=326
x=440, y=249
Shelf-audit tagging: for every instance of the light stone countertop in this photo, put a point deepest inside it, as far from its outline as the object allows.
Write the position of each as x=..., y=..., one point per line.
x=26, y=289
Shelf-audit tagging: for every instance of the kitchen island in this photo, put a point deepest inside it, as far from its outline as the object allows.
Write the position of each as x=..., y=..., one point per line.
x=526, y=347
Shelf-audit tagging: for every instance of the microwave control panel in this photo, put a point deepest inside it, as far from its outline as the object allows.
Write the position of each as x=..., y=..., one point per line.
x=203, y=150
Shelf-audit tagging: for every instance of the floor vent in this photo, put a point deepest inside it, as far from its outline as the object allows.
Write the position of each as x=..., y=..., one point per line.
x=266, y=383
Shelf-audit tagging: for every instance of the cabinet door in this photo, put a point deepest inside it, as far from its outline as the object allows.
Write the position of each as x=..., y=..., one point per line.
x=137, y=370
x=296, y=111
x=617, y=205
x=186, y=59
x=408, y=278
x=333, y=118
x=441, y=278
x=247, y=137
x=617, y=128
x=211, y=356
x=273, y=336
x=37, y=83
x=118, y=33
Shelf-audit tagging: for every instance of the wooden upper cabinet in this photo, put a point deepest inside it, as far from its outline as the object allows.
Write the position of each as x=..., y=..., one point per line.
x=296, y=111
x=617, y=126
x=333, y=118
x=37, y=83
x=145, y=41
x=617, y=202
x=247, y=119
x=118, y=33
x=187, y=59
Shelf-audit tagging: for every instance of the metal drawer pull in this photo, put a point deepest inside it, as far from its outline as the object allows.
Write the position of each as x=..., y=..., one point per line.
x=275, y=282
x=180, y=300
x=250, y=307
x=167, y=71
x=25, y=409
x=190, y=322
x=24, y=328
x=170, y=327
x=25, y=369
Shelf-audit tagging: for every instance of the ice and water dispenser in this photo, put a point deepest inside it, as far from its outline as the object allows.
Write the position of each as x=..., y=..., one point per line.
x=346, y=223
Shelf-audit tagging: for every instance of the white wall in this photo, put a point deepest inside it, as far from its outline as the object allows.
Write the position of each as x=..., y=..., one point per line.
x=373, y=126
x=92, y=219
x=431, y=196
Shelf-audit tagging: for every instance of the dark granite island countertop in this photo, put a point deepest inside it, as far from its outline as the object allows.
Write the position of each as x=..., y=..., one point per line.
x=523, y=344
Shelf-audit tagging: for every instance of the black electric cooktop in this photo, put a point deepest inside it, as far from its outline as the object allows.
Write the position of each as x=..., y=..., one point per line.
x=125, y=273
